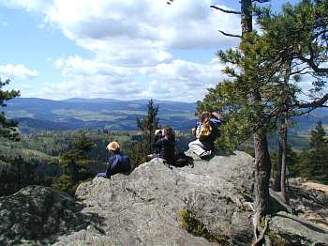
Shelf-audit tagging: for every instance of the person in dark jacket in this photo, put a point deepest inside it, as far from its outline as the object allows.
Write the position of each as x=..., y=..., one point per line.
x=204, y=146
x=117, y=162
x=164, y=145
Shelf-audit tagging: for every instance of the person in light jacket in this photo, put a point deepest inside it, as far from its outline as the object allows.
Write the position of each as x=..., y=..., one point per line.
x=203, y=147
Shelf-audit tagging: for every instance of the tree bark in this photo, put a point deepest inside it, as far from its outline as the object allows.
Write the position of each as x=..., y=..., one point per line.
x=283, y=133
x=246, y=16
x=277, y=171
x=262, y=174
x=283, y=136
x=262, y=156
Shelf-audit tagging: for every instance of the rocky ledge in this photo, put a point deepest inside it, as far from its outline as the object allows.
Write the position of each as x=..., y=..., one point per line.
x=208, y=204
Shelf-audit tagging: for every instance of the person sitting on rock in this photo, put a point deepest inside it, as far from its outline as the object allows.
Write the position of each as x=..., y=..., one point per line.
x=164, y=145
x=206, y=133
x=117, y=162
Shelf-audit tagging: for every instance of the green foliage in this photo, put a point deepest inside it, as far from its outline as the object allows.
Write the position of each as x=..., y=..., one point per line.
x=310, y=163
x=75, y=162
x=136, y=152
x=7, y=127
x=35, y=159
x=263, y=72
x=298, y=36
x=318, y=140
x=314, y=164
x=148, y=125
x=64, y=183
x=189, y=223
x=17, y=173
x=293, y=160
x=140, y=148
x=244, y=113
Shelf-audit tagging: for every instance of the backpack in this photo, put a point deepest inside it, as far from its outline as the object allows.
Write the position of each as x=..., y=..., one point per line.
x=203, y=131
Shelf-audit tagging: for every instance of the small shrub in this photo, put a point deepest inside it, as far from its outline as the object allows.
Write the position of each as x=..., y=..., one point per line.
x=188, y=222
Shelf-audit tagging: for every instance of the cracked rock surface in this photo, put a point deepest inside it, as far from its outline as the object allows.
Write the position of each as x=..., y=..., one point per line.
x=145, y=207
x=142, y=208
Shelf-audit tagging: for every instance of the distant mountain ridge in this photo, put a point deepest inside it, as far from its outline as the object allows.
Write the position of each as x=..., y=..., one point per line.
x=36, y=114
x=77, y=113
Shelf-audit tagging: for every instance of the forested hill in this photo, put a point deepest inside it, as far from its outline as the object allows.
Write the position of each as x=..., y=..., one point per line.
x=41, y=114
x=71, y=114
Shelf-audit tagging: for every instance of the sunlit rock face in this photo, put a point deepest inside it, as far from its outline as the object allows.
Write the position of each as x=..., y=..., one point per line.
x=208, y=204
x=143, y=208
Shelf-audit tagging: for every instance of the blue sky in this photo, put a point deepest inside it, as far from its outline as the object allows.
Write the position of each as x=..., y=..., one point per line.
x=127, y=49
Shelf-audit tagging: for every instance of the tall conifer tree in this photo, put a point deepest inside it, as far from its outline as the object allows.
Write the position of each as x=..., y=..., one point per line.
x=148, y=125
x=7, y=126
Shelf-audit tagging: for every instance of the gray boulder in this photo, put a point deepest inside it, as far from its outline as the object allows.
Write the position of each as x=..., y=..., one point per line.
x=36, y=215
x=208, y=204
x=155, y=205
x=288, y=229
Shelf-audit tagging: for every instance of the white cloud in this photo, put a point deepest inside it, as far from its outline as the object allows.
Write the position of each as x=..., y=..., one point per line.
x=133, y=45
x=176, y=80
x=17, y=72
x=101, y=24
x=29, y=5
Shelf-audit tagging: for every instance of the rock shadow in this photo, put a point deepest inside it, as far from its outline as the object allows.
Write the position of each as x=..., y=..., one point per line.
x=39, y=215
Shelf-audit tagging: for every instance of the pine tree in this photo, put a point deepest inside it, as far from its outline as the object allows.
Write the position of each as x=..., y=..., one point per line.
x=75, y=163
x=148, y=125
x=298, y=37
x=258, y=93
x=7, y=126
x=245, y=97
x=318, y=140
x=314, y=164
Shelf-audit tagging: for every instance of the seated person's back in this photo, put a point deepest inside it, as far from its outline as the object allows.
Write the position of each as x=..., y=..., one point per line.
x=165, y=145
x=117, y=162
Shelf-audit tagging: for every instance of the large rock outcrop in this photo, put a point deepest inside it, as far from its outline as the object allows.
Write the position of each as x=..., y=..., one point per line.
x=38, y=215
x=208, y=204
x=150, y=206
x=287, y=229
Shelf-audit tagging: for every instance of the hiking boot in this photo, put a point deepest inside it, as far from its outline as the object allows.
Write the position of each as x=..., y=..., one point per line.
x=192, y=154
x=205, y=154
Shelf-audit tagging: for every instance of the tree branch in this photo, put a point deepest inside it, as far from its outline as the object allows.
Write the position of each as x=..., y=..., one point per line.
x=314, y=104
x=311, y=62
x=260, y=1
x=226, y=10
x=314, y=67
x=230, y=35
